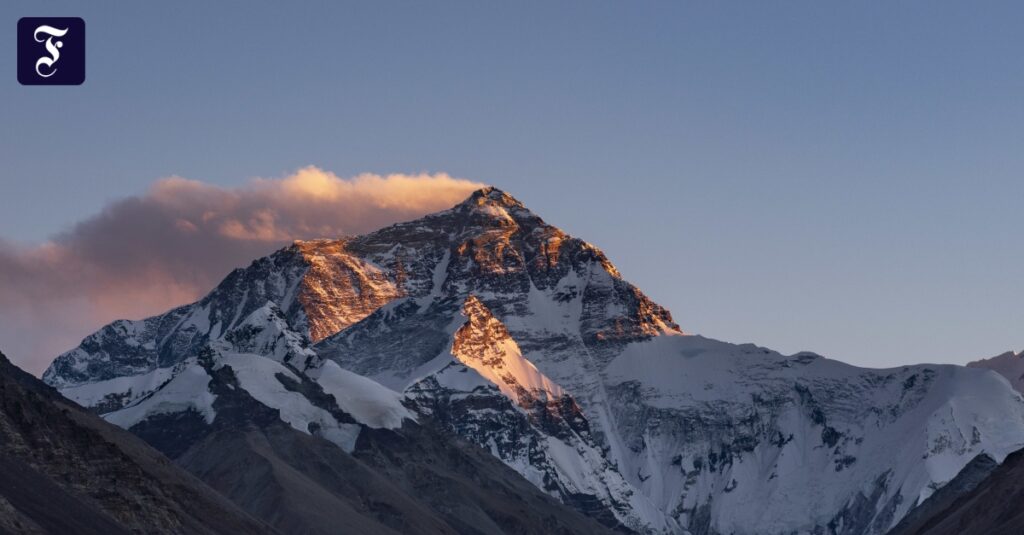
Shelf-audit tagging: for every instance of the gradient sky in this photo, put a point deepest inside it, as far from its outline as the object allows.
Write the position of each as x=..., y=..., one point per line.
x=842, y=178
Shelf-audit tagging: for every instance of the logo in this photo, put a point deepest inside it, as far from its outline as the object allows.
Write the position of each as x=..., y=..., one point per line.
x=51, y=51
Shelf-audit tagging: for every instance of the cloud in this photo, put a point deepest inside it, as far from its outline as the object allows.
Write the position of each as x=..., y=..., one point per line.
x=143, y=255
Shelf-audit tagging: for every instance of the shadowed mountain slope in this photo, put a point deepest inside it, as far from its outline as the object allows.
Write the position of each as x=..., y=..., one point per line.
x=65, y=470
x=986, y=499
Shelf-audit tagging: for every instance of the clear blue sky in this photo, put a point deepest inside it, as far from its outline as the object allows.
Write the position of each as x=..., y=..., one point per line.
x=837, y=177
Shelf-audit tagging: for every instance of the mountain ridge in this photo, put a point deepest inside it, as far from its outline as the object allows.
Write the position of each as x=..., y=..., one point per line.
x=652, y=430
x=1009, y=364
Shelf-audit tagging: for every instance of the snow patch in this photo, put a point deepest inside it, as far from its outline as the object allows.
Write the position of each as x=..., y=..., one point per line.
x=369, y=402
x=188, y=390
x=257, y=376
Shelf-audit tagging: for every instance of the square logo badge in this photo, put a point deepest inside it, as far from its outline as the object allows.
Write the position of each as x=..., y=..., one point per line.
x=51, y=51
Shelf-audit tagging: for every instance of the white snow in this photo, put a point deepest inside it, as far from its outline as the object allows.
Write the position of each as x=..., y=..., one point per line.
x=130, y=387
x=916, y=444
x=257, y=376
x=369, y=402
x=437, y=279
x=501, y=361
x=513, y=370
x=457, y=377
x=494, y=211
x=188, y=390
x=273, y=337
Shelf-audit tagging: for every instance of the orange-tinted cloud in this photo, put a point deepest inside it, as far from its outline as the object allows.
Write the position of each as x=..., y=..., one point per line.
x=143, y=255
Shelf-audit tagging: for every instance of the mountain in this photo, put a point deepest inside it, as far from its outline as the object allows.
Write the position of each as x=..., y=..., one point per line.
x=1009, y=365
x=486, y=324
x=64, y=470
x=987, y=502
x=310, y=451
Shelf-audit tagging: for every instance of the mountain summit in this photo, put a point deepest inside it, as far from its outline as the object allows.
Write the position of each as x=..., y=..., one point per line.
x=485, y=324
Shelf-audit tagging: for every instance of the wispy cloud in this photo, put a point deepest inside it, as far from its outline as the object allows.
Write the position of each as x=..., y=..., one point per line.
x=142, y=255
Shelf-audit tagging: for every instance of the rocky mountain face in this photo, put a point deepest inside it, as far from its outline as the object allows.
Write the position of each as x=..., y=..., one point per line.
x=282, y=448
x=64, y=470
x=485, y=323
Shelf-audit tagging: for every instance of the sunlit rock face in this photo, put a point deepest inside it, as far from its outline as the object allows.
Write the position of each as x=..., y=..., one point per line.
x=492, y=247
x=339, y=289
x=499, y=328
x=484, y=344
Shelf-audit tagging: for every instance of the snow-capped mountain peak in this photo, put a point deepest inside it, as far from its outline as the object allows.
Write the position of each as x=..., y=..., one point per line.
x=488, y=322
